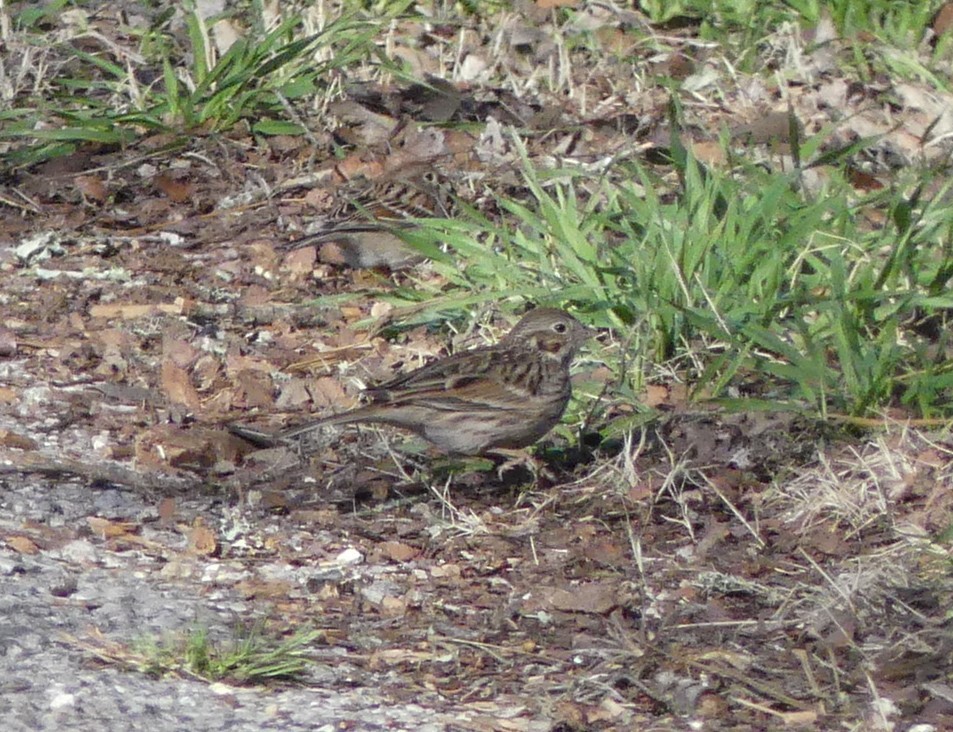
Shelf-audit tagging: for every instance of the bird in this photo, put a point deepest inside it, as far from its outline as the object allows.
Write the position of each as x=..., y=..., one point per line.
x=494, y=398
x=364, y=226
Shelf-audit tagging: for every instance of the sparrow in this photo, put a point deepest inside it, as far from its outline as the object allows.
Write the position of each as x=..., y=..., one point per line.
x=500, y=397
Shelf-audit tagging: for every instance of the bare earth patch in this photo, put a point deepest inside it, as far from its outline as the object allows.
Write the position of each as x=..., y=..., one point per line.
x=740, y=571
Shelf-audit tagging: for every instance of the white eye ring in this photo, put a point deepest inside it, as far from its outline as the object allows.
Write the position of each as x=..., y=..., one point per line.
x=559, y=327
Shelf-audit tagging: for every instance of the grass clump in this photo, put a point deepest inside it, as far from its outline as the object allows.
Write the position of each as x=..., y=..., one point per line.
x=249, y=658
x=87, y=89
x=757, y=284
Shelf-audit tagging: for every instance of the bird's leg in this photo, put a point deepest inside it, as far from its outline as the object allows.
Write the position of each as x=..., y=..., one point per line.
x=516, y=459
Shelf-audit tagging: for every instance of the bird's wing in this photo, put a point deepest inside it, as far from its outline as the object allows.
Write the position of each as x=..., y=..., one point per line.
x=472, y=379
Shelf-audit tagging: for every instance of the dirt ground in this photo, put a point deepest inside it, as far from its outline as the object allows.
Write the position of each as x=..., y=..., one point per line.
x=705, y=571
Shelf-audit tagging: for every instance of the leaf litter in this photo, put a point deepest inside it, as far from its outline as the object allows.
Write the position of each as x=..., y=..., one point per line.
x=743, y=571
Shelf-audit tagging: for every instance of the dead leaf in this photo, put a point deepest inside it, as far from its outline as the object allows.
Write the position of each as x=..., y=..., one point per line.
x=397, y=551
x=806, y=719
x=8, y=343
x=656, y=395
x=177, y=191
x=206, y=371
x=709, y=152
x=91, y=186
x=300, y=262
x=863, y=181
x=135, y=311
x=608, y=552
x=362, y=128
x=179, y=351
x=225, y=33
x=453, y=571
x=327, y=392
x=16, y=440
x=943, y=20
x=320, y=199
x=167, y=510
x=715, y=533
x=254, y=390
x=607, y=711
x=168, y=445
x=641, y=491
x=106, y=529
x=711, y=706
x=393, y=606
x=22, y=545
x=594, y=597
x=201, y=539
x=773, y=127
x=269, y=590
x=177, y=386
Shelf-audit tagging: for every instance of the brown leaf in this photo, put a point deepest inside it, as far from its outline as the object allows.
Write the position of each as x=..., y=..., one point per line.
x=806, y=719
x=549, y=4
x=641, y=491
x=711, y=706
x=167, y=510
x=709, y=152
x=178, y=388
x=177, y=191
x=656, y=395
x=607, y=551
x=367, y=249
x=179, y=352
x=943, y=20
x=608, y=710
x=206, y=370
x=593, y=597
x=22, y=545
x=773, y=127
x=106, y=529
x=451, y=571
x=91, y=186
x=294, y=394
x=134, y=311
x=356, y=165
x=363, y=128
x=327, y=392
x=273, y=500
x=269, y=590
x=397, y=551
x=16, y=440
x=254, y=389
x=8, y=343
x=716, y=532
x=300, y=262
x=201, y=539
x=616, y=41
x=165, y=445
x=393, y=606
x=863, y=181
x=320, y=199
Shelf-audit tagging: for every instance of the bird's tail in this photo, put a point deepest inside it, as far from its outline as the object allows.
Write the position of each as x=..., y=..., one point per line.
x=268, y=439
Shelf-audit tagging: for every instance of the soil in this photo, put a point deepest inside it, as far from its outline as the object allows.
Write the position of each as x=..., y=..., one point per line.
x=703, y=570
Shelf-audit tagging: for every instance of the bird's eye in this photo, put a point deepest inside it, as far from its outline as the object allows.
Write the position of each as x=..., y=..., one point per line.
x=560, y=327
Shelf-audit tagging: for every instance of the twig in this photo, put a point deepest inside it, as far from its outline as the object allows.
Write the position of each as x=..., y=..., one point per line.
x=24, y=461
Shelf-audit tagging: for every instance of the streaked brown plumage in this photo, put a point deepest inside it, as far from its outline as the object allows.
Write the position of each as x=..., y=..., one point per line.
x=364, y=226
x=497, y=397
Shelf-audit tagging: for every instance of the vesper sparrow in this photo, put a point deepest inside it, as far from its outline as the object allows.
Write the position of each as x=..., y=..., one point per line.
x=503, y=396
x=363, y=226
